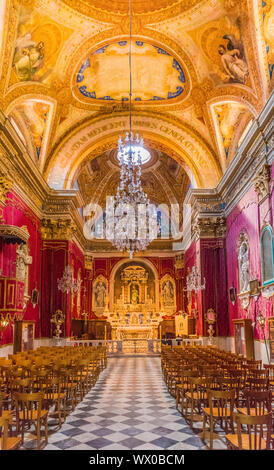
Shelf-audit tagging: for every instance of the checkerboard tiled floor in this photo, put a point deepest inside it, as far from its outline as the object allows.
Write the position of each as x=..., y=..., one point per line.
x=129, y=408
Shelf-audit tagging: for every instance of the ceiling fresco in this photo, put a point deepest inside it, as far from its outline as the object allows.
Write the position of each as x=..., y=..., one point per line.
x=104, y=75
x=202, y=70
x=227, y=119
x=38, y=43
x=33, y=118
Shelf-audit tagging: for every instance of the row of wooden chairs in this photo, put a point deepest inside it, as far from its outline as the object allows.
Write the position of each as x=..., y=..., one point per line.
x=220, y=388
x=46, y=382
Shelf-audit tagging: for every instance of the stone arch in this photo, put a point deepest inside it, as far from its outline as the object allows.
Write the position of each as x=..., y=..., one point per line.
x=94, y=136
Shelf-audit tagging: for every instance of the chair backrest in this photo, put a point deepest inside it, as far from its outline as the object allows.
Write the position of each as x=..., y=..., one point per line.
x=254, y=427
x=223, y=401
x=254, y=364
x=253, y=383
x=260, y=401
x=4, y=426
x=30, y=404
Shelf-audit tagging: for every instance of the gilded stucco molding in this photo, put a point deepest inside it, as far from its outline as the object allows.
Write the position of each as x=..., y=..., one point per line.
x=179, y=261
x=5, y=186
x=89, y=262
x=9, y=41
x=116, y=11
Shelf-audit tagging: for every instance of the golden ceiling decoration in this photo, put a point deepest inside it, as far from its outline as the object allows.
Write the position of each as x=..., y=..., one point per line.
x=55, y=37
x=114, y=10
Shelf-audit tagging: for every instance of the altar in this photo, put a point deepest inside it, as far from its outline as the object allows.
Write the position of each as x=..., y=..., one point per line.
x=134, y=332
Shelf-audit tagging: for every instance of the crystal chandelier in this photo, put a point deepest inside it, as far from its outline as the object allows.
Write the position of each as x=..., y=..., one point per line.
x=194, y=281
x=141, y=221
x=67, y=283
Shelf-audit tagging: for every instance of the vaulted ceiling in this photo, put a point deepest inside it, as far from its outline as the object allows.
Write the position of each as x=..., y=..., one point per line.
x=202, y=72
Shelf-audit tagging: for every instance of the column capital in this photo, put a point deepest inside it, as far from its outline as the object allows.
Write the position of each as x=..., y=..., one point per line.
x=262, y=182
x=209, y=227
x=57, y=229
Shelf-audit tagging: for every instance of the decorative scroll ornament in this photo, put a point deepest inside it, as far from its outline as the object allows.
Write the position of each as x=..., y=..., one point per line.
x=5, y=186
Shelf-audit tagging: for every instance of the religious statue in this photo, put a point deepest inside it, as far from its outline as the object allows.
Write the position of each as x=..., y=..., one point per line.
x=100, y=294
x=244, y=267
x=22, y=262
x=134, y=295
x=168, y=293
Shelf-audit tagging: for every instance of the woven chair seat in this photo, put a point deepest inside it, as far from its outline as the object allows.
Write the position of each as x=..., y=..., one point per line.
x=233, y=439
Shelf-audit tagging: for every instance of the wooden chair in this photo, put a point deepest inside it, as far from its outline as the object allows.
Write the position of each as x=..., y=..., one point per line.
x=270, y=368
x=31, y=412
x=182, y=387
x=251, y=433
x=252, y=383
x=221, y=406
x=196, y=398
x=257, y=403
x=6, y=442
x=254, y=364
x=55, y=396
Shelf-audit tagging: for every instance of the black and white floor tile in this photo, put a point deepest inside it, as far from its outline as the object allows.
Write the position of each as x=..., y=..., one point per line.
x=129, y=408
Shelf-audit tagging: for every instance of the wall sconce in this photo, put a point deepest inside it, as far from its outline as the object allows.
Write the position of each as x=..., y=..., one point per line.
x=5, y=320
x=232, y=295
x=261, y=320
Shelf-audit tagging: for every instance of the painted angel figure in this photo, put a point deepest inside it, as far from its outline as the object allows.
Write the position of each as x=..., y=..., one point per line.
x=233, y=61
x=28, y=57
